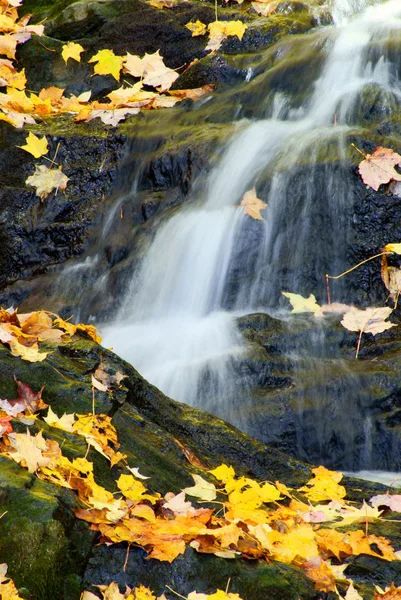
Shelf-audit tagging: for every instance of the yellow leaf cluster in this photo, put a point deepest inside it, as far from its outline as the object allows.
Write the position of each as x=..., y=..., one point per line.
x=23, y=332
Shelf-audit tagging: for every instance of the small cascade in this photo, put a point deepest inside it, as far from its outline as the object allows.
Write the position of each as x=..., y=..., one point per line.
x=210, y=263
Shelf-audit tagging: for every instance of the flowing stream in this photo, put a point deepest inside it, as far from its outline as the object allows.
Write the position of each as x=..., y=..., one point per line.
x=174, y=325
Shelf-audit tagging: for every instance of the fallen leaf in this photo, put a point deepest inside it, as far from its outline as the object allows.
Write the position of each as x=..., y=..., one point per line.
x=65, y=422
x=152, y=69
x=253, y=205
x=301, y=304
x=35, y=146
x=202, y=489
x=393, y=501
x=378, y=168
x=72, y=50
x=107, y=63
x=324, y=486
x=196, y=28
x=220, y=30
x=112, y=116
x=370, y=320
x=46, y=180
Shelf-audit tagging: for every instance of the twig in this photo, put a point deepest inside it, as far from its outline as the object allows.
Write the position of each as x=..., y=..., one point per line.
x=126, y=558
x=176, y=593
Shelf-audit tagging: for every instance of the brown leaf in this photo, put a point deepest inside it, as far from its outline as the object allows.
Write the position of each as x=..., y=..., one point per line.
x=390, y=593
x=378, y=167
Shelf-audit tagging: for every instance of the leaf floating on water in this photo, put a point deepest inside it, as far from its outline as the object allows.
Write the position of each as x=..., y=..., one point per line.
x=378, y=168
x=253, y=205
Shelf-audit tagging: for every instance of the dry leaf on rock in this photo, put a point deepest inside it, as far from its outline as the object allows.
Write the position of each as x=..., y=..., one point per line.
x=28, y=450
x=107, y=63
x=72, y=50
x=112, y=116
x=152, y=69
x=378, y=168
x=46, y=180
x=253, y=205
x=65, y=422
x=202, y=489
x=393, y=501
x=35, y=145
x=370, y=320
x=301, y=304
x=220, y=30
x=265, y=8
x=196, y=28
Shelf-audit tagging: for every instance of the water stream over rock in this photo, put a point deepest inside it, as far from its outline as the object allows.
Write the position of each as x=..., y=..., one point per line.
x=210, y=263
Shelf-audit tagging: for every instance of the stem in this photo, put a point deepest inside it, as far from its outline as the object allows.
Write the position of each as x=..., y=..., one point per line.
x=356, y=266
x=328, y=290
x=359, y=343
x=215, y=9
x=360, y=151
x=176, y=593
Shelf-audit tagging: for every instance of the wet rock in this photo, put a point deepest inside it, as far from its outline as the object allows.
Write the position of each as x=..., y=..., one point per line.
x=311, y=397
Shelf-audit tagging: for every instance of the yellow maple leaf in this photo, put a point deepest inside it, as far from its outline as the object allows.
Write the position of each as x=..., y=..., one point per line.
x=143, y=593
x=196, y=27
x=46, y=180
x=202, y=489
x=324, y=486
x=35, y=145
x=219, y=30
x=301, y=304
x=133, y=489
x=107, y=63
x=64, y=422
x=29, y=353
x=72, y=50
x=223, y=473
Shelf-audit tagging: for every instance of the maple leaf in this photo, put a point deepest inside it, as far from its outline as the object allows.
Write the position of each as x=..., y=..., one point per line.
x=64, y=422
x=324, y=485
x=112, y=116
x=253, y=205
x=370, y=320
x=28, y=450
x=10, y=76
x=390, y=593
x=29, y=353
x=393, y=501
x=321, y=574
x=152, y=69
x=72, y=50
x=46, y=180
x=378, y=168
x=223, y=473
x=35, y=146
x=202, y=489
x=197, y=28
x=219, y=30
x=265, y=8
x=107, y=63
x=301, y=304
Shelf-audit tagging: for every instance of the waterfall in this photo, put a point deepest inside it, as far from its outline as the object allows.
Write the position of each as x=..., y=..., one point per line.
x=209, y=262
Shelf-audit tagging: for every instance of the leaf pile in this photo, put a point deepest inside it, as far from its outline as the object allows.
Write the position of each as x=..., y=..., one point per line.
x=259, y=520
x=22, y=333
x=112, y=592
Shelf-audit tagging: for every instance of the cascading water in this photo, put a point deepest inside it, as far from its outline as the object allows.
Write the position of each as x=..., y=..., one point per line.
x=209, y=262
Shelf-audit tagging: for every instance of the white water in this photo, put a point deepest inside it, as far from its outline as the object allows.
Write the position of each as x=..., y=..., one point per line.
x=172, y=326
